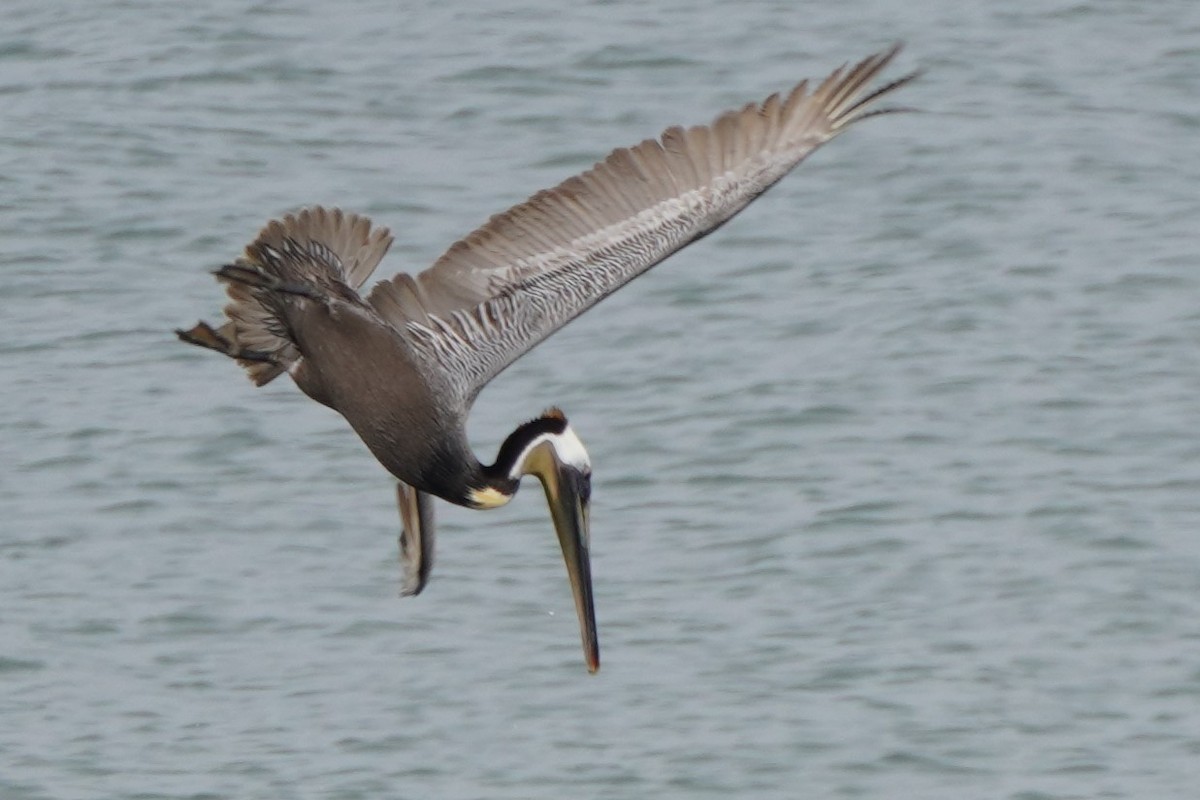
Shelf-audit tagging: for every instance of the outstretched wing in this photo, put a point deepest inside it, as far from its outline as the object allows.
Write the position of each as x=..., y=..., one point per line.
x=530, y=270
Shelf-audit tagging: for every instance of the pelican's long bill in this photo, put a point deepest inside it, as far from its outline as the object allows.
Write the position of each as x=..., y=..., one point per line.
x=568, y=485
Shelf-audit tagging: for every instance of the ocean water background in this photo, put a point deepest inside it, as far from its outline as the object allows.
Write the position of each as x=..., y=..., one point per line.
x=896, y=477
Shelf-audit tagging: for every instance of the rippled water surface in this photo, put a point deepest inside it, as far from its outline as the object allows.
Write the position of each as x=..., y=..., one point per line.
x=896, y=476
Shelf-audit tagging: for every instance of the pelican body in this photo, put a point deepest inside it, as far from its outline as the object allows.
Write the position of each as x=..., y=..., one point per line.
x=404, y=362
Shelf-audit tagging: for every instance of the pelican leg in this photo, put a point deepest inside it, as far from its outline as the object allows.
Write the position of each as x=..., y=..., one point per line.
x=258, y=279
x=204, y=335
x=416, y=537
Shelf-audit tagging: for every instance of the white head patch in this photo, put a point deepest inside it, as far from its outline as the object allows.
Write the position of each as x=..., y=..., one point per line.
x=570, y=450
x=566, y=446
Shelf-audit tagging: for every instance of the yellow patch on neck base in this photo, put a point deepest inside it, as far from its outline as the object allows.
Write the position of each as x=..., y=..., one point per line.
x=488, y=497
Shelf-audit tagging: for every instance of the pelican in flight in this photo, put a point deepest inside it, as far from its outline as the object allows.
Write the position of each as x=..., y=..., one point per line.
x=404, y=362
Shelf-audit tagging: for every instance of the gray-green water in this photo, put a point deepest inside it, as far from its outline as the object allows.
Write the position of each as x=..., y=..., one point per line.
x=896, y=477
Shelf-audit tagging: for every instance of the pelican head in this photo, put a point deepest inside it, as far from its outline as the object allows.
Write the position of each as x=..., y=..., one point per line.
x=548, y=449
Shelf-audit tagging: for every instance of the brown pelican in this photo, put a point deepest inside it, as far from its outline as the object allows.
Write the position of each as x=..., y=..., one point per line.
x=404, y=363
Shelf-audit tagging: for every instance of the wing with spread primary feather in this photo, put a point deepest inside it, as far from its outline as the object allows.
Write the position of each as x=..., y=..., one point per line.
x=530, y=270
